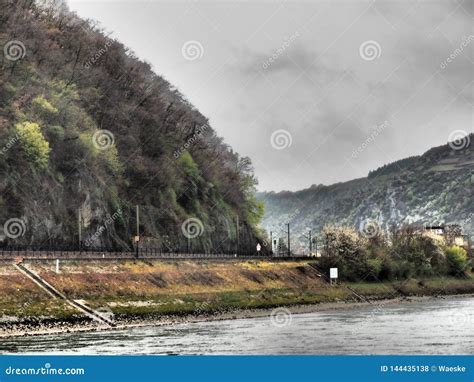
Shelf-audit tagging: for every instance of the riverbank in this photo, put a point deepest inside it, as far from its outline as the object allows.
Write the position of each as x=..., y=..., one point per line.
x=51, y=328
x=161, y=293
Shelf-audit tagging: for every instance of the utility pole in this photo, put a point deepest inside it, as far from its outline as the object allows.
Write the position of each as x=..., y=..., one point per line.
x=310, y=244
x=289, y=250
x=271, y=243
x=79, y=227
x=238, y=234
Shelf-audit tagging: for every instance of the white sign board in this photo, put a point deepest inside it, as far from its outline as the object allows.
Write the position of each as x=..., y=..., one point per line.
x=259, y=247
x=333, y=273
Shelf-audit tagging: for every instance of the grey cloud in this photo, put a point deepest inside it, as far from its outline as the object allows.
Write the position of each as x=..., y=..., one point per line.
x=332, y=108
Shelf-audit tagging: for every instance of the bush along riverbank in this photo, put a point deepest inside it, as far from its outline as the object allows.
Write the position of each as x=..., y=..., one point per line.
x=404, y=253
x=160, y=292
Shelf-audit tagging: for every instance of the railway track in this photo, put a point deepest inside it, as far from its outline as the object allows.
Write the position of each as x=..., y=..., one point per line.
x=114, y=256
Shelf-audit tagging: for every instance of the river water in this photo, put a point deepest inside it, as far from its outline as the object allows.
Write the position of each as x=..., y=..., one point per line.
x=441, y=326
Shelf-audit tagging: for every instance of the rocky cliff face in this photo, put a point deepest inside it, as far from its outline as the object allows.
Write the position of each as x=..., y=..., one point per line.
x=434, y=188
x=88, y=132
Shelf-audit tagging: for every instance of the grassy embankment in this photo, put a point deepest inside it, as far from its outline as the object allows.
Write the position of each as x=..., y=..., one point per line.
x=155, y=289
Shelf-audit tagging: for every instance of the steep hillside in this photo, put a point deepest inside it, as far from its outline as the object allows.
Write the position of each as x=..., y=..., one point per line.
x=87, y=132
x=434, y=188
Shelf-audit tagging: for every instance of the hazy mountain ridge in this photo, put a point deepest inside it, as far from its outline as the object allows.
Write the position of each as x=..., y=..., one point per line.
x=433, y=188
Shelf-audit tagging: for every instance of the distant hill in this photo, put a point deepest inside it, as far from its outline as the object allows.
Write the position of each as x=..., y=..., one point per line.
x=88, y=131
x=434, y=188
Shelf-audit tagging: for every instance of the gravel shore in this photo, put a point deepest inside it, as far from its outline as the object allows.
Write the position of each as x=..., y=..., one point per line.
x=81, y=324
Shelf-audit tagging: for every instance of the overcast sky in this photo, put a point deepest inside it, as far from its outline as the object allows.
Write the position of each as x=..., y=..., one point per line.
x=313, y=92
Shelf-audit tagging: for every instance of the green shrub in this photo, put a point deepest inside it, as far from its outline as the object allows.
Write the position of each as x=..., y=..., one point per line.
x=456, y=258
x=111, y=156
x=35, y=146
x=374, y=266
x=189, y=165
x=43, y=106
x=387, y=268
x=404, y=270
x=345, y=249
x=55, y=133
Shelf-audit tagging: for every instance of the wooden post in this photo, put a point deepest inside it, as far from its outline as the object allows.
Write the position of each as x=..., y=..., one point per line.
x=138, y=229
x=271, y=243
x=289, y=250
x=79, y=226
